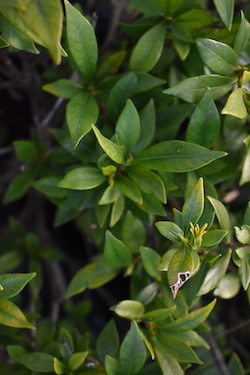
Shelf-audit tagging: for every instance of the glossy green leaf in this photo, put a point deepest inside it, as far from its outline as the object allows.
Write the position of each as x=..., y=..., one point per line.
x=12, y=316
x=145, y=340
x=132, y=352
x=114, y=151
x=192, y=320
x=16, y=38
x=222, y=216
x=235, y=105
x=81, y=112
x=228, y=287
x=147, y=126
x=148, y=49
x=213, y=237
x=82, y=178
x=192, y=89
x=117, y=210
x=129, y=189
x=150, y=260
x=147, y=181
x=244, y=273
x=169, y=365
x=152, y=204
x=201, y=129
x=37, y=361
x=116, y=252
x=182, y=48
x=242, y=35
x=180, y=33
x=166, y=258
x=110, y=195
x=146, y=82
x=20, y=184
x=13, y=283
x=218, y=57
x=176, y=156
x=42, y=23
x=193, y=206
x=123, y=89
x=129, y=309
x=133, y=232
x=91, y=276
x=195, y=19
x=108, y=341
x=178, y=348
x=225, y=8
x=64, y=88
x=26, y=151
x=81, y=42
x=128, y=127
x=170, y=230
x=242, y=234
x=245, y=176
x=215, y=273
x=76, y=360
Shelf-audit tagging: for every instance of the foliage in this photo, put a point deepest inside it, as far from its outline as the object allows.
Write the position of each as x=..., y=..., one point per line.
x=144, y=163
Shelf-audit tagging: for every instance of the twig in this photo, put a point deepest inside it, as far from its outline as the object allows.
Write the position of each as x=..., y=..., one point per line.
x=216, y=353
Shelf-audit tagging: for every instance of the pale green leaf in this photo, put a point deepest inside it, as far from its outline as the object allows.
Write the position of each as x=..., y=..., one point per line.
x=245, y=176
x=12, y=316
x=82, y=178
x=235, y=105
x=13, y=283
x=114, y=151
x=129, y=309
x=222, y=216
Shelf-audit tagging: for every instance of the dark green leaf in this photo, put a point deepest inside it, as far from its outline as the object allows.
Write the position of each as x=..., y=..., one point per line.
x=192, y=89
x=63, y=88
x=204, y=130
x=170, y=230
x=242, y=35
x=148, y=50
x=82, y=111
x=129, y=189
x=108, y=341
x=37, y=361
x=133, y=232
x=81, y=40
x=151, y=260
x=82, y=178
x=169, y=365
x=116, y=252
x=193, y=206
x=147, y=126
x=195, y=19
x=225, y=8
x=176, y=156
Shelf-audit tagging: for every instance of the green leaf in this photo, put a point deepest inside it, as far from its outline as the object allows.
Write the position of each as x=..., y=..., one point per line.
x=91, y=276
x=37, y=361
x=20, y=184
x=128, y=127
x=242, y=235
x=166, y=258
x=192, y=320
x=121, y=91
x=112, y=366
x=133, y=233
x=156, y=8
x=117, y=210
x=235, y=105
x=82, y=178
x=132, y=352
x=195, y=19
x=114, y=151
x=245, y=176
x=42, y=23
x=146, y=82
x=213, y=237
x=48, y=186
x=244, y=273
x=145, y=340
x=110, y=195
x=129, y=189
x=81, y=42
x=16, y=38
x=59, y=367
x=3, y=42
x=235, y=366
x=152, y=204
x=107, y=342
x=169, y=365
x=151, y=260
x=176, y=156
x=12, y=3
x=215, y=274
x=193, y=206
x=26, y=151
x=148, y=49
x=64, y=88
x=228, y=287
x=201, y=129
x=76, y=360
x=178, y=348
x=218, y=57
x=147, y=126
x=116, y=253
x=159, y=315
x=129, y=309
x=192, y=89
x=147, y=181
x=81, y=112
x=225, y=8
x=170, y=230
x=222, y=216
x=12, y=316
x=14, y=283
x=242, y=35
